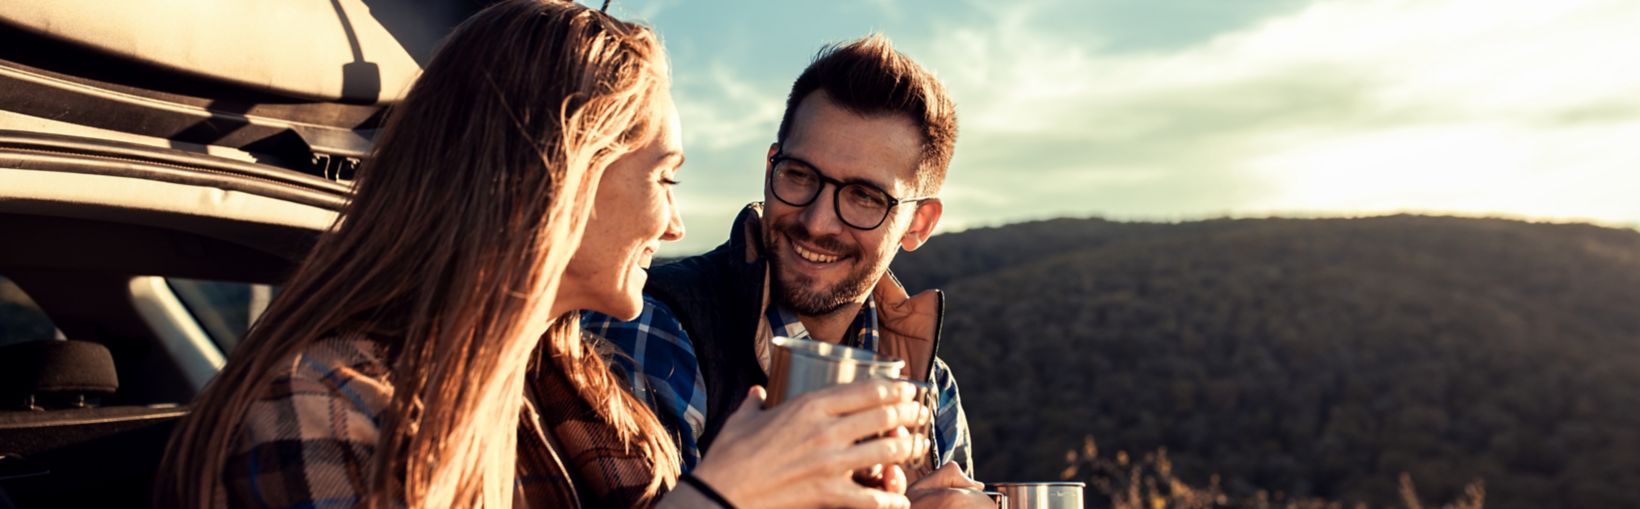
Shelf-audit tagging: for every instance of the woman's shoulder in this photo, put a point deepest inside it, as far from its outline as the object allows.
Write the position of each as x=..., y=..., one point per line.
x=336, y=387
x=350, y=365
x=318, y=418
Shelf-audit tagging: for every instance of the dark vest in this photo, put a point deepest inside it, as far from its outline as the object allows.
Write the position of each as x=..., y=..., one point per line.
x=717, y=296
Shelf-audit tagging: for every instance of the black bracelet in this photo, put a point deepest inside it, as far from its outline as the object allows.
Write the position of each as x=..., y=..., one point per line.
x=705, y=490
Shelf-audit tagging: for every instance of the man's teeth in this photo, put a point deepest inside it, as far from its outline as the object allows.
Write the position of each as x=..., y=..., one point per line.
x=813, y=256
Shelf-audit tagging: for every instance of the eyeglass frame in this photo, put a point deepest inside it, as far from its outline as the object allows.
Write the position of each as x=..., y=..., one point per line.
x=836, y=195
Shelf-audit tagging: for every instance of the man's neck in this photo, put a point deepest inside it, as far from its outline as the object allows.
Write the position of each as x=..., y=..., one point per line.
x=831, y=327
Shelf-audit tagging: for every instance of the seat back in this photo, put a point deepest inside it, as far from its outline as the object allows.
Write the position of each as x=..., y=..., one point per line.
x=57, y=447
x=37, y=375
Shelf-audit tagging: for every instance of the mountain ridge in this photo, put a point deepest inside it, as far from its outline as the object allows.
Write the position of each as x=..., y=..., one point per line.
x=1319, y=357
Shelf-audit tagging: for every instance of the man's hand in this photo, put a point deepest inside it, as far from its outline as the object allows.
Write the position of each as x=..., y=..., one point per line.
x=948, y=487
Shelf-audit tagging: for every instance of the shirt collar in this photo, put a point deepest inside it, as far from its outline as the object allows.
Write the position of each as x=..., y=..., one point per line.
x=779, y=321
x=860, y=334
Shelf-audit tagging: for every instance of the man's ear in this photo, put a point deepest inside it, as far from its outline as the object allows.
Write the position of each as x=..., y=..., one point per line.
x=922, y=224
x=768, y=160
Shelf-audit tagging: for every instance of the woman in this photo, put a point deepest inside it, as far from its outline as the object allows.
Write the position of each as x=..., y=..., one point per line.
x=426, y=353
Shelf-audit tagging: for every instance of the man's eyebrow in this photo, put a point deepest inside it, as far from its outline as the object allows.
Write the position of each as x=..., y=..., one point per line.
x=866, y=181
x=849, y=180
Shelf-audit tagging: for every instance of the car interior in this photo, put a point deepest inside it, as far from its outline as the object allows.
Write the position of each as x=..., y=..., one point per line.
x=157, y=183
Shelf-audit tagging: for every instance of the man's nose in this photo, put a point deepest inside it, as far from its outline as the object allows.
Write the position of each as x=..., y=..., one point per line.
x=820, y=216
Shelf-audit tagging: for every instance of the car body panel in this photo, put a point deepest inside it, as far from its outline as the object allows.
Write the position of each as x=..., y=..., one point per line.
x=357, y=51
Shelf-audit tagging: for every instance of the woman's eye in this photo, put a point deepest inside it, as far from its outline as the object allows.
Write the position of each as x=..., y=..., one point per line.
x=669, y=182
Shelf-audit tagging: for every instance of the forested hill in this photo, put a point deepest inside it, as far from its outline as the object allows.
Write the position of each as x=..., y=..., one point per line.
x=1319, y=357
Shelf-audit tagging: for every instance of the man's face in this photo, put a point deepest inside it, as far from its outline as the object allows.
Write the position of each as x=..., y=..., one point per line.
x=821, y=264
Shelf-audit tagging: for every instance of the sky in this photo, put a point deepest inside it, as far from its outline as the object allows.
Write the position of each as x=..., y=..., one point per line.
x=1176, y=110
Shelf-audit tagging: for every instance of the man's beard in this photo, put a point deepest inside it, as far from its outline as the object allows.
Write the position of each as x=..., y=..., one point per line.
x=798, y=292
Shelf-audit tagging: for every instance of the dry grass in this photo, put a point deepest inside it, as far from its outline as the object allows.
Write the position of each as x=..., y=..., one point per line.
x=1150, y=483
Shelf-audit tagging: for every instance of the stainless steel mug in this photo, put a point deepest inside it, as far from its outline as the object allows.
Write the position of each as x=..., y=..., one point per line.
x=797, y=366
x=1041, y=495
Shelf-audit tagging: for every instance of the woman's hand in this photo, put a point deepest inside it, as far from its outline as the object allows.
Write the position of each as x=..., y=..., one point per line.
x=803, y=452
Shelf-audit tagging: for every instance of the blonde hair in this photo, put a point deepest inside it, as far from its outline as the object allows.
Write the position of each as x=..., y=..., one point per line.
x=455, y=242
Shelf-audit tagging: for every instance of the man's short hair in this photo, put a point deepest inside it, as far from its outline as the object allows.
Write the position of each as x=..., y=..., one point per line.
x=867, y=76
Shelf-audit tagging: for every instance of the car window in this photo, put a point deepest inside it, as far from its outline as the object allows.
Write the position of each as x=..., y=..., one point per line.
x=21, y=319
x=225, y=309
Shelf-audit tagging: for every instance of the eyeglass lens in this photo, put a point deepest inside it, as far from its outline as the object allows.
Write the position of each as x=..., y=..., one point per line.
x=858, y=205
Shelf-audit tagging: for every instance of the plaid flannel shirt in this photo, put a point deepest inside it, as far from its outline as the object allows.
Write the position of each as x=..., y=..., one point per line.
x=655, y=355
x=307, y=441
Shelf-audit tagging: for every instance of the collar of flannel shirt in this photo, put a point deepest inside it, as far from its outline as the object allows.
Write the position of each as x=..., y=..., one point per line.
x=779, y=321
x=861, y=334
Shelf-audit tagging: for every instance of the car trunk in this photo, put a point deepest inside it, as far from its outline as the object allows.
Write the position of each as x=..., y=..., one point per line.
x=143, y=143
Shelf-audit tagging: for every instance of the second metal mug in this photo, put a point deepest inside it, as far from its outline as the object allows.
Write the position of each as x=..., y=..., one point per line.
x=1040, y=495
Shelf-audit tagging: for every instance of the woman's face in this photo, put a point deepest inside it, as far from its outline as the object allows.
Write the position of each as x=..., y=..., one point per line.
x=633, y=210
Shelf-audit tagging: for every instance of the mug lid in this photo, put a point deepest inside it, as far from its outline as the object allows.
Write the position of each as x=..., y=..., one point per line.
x=834, y=352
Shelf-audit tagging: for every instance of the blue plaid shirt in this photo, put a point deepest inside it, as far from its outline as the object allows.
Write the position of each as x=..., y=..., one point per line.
x=658, y=360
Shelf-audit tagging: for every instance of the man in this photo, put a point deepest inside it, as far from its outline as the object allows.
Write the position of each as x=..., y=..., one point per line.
x=852, y=177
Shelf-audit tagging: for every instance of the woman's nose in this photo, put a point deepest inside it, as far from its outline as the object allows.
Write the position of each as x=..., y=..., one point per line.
x=674, y=227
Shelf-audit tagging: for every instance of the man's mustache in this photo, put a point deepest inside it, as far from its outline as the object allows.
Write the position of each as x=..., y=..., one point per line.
x=830, y=243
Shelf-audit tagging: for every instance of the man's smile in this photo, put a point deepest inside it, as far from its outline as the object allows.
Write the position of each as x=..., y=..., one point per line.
x=812, y=255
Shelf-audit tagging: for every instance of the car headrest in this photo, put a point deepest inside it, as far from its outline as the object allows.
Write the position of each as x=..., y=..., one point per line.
x=55, y=373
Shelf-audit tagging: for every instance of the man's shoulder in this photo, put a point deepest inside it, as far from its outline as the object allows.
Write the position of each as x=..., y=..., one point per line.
x=705, y=283
x=685, y=271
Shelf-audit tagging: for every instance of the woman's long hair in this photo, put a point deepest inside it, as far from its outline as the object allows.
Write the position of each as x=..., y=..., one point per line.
x=451, y=252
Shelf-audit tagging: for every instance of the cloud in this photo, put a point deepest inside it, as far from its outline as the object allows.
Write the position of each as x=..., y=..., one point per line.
x=729, y=120
x=724, y=111
x=1139, y=110
x=1498, y=106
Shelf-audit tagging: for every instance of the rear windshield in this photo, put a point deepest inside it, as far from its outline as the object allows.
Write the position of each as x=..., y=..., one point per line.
x=225, y=309
x=21, y=319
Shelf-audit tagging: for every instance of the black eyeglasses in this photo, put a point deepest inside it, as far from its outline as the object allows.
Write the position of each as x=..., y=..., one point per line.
x=860, y=205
